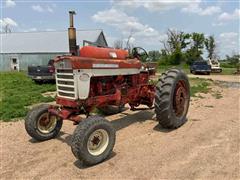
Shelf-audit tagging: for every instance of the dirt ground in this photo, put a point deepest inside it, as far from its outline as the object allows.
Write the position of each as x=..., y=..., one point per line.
x=207, y=146
x=217, y=77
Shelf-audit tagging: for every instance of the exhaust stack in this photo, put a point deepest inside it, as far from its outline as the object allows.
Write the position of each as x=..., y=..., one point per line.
x=73, y=48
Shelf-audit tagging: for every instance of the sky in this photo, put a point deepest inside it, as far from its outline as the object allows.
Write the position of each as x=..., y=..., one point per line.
x=147, y=21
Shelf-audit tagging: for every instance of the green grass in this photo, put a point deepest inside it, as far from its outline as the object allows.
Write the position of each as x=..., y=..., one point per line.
x=228, y=71
x=184, y=67
x=17, y=92
x=199, y=86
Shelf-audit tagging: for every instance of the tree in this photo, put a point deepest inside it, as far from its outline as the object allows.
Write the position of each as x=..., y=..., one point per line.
x=6, y=28
x=118, y=44
x=234, y=59
x=196, y=50
x=198, y=43
x=174, y=45
x=129, y=45
x=210, y=46
x=176, y=40
x=154, y=55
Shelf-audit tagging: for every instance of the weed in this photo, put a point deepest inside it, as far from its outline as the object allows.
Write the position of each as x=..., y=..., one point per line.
x=217, y=94
x=199, y=86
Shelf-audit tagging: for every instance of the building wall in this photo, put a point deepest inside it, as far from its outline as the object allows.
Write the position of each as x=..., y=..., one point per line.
x=25, y=60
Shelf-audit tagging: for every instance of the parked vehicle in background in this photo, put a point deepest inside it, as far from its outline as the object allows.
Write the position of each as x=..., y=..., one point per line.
x=215, y=65
x=42, y=74
x=200, y=67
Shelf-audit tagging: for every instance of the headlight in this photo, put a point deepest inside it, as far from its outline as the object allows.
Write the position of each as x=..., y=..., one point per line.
x=84, y=77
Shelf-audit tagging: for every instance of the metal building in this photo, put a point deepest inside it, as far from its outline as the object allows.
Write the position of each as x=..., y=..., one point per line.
x=19, y=50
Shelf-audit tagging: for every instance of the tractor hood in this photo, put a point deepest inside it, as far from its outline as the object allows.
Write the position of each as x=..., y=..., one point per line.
x=77, y=62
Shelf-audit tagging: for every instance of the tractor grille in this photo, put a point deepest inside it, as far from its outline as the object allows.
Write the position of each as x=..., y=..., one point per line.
x=65, y=84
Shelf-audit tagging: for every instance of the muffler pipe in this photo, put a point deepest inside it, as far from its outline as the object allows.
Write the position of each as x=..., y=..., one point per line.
x=72, y=35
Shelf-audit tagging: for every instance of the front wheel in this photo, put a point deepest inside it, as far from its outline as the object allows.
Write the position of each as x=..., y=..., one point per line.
x=172, y=99
x=93, y=140
x=41, y=125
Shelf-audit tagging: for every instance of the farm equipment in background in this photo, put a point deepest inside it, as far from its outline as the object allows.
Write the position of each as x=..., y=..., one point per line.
x=106, y=79
x=215, y=65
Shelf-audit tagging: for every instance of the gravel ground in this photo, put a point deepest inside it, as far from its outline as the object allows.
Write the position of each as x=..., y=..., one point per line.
x=207, y=146
x=216, y=77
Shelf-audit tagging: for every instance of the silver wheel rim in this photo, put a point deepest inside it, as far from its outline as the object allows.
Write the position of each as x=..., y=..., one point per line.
x=98, y=142
x=46, y=123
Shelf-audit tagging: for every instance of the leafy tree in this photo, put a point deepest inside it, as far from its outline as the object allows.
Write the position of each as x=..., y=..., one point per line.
x=118, y=44
x=196, y=50
x=175, y=41
x=210, y=46
x=154, y=55
x=198, y=43
x=233, y=60
x=174, y=46
x=6, y=28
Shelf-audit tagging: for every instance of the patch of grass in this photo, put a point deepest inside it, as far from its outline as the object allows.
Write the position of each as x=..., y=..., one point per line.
x=228, y=71
x=199, y=86
x=17, y=91
x=162, y=69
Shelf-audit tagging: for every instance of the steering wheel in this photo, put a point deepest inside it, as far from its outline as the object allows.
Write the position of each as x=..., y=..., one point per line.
x=140, y=53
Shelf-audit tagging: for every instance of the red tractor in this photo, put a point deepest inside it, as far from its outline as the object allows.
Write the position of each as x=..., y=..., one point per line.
x=107, y=79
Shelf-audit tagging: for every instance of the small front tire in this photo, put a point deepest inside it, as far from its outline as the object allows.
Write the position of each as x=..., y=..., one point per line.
x=93, y=140
x=41, y=125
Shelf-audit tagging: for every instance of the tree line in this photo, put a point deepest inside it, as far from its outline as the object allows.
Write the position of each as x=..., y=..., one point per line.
x=180, y=47
x=185, y=48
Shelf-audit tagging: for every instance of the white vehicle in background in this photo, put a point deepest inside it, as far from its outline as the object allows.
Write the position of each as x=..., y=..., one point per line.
x=215, y=65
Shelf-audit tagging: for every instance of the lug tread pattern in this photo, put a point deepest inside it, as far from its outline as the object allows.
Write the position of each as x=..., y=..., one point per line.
x=31, y=124
x=163, y=98
x=81, y=135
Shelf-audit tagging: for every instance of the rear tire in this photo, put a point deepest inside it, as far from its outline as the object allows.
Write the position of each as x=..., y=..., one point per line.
x=40, y=125
x=93, y=140
x=172, y=99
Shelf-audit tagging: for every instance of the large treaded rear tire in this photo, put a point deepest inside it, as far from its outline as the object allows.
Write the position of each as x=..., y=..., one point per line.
x=31, y=124
x=82, y=136
x=165, y=99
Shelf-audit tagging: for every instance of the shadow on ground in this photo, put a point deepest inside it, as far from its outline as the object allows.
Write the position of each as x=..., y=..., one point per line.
x=124, y=121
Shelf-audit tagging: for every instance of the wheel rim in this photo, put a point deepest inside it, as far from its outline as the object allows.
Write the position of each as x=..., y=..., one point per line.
x=98, y=142
x=180, y=100
x=46, y=123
